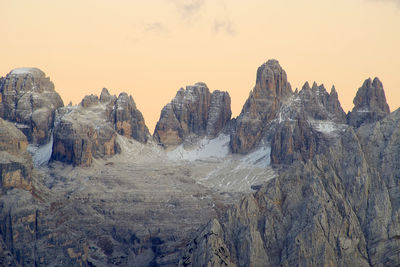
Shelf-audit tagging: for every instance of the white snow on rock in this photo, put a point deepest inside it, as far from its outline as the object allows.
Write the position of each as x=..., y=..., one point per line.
x=260, y=158
x=23, y=71
x=206, y=149
x=41, y=154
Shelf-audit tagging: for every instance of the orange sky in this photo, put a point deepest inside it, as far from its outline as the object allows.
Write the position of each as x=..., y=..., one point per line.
x=152, y=48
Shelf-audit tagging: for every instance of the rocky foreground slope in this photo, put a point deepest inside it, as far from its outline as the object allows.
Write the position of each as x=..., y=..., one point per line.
x=293, y=180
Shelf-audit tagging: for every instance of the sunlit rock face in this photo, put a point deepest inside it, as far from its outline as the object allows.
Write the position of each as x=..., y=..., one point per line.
x=89, y=130
x=28, y=98
x=193, y=112
x=15, y=162
x=261, y=107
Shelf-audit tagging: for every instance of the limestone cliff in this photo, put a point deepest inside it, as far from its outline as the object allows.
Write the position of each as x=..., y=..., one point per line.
x=369, y=104
x=193, y=112
x=28, y=98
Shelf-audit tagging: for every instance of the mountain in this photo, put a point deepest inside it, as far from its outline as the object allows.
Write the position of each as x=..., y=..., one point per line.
x=340, y=208
x=271, y=89
x=28, y=98
x=369, y=104
x=194, y=112
x=89, y=130
x=292, y=180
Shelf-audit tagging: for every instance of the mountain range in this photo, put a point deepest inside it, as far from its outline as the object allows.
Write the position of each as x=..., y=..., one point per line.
x=292, y=181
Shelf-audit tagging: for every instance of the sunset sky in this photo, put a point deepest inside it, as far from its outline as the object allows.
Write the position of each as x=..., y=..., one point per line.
x=152, y=48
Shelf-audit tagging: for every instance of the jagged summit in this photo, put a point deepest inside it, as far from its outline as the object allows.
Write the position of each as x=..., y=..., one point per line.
x=89, y=130
x=369, y=104
x=271, y=89
x=306, y=188
x=194, y=112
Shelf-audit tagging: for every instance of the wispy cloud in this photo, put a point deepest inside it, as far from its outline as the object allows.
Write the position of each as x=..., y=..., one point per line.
x=156, y=27
x=188, y=8
x=225, y=26
x=397, y=2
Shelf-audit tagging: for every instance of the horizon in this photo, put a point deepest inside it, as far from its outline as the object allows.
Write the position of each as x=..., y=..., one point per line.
x=150, y=50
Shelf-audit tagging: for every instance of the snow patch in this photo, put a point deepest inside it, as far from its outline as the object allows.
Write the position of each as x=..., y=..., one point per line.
x=364, y=110
x=206, y=149
x=41, y=154
x=22, y=71
x=260, y=158
x=326, y=127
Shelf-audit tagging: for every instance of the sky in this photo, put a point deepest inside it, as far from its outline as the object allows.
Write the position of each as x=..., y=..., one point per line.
x=152, y=48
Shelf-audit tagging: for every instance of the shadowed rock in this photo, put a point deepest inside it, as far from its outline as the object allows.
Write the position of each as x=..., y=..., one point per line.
x=369, y=104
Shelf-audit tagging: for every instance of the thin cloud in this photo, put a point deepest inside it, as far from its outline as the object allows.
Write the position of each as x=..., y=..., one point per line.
x=397, y=2
x=224, y=26
x=156, y=27
x=188, y=8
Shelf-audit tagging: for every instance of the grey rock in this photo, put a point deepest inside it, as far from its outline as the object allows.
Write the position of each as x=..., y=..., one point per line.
x=194, y=111
x=319, y=105
x=338, y=209
x=128, y=119
x=15, y=162
x=261, y=107
x=369, y=104
x=28, y=98
x=295, y=141
x=89, y=130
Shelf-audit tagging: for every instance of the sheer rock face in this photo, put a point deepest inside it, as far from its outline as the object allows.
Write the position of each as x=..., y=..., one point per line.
x=294, y=141
x=89, y=130
x=194, y=111
x=261, y=107
x=27, y=97
x=129, y=120
x=369, y=104
x=15, y=162
x=338, y=209
x=305, y=124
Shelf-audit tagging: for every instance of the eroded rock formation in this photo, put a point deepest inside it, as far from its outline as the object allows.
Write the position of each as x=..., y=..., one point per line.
x=369, y=104
x=340, y=208
x=89, y=130
x=193, y=112
x=261, y=107
x=15, y=162
x=27, y=97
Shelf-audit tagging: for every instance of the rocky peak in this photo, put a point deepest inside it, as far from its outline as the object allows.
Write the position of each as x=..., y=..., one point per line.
x=271, y=89
x=90, y=100
x=90, y=129
x=105, y=96
x=272, y=81
x=193, y=112
x=320, y=105
x=369, y=104
x=129, y=120
x=27, y=97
